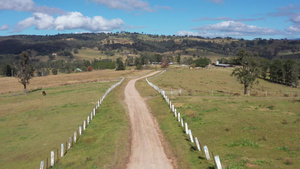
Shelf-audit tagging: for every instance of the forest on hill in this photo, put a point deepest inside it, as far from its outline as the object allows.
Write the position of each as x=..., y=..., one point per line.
x=66, y=52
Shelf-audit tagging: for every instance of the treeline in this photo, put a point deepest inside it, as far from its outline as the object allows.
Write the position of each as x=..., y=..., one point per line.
x=278, y=71
x=45, y=45
x=61, y=66
x=284, y=72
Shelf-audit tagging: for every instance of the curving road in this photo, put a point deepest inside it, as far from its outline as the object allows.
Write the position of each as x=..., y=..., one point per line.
x=147, y=151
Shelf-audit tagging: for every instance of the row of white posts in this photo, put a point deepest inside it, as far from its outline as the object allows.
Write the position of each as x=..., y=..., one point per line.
x=188, y=131
x=77, y=133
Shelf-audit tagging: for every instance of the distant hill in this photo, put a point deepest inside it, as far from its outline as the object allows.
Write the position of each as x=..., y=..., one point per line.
x=124, y=43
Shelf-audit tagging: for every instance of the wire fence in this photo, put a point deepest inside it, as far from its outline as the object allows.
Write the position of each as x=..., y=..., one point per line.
x=64, y=147
x=213, y=92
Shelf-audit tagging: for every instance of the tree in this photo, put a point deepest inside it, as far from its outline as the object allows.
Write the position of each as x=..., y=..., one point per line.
x=164, y=62
x=54, y=71
x=249, y=70
x=264, y=66
x=90, y=68
x=120, y=64
x=75, y=51
x=24, y=70
x=202, y=62
x=276, y=71
x=178, y=58
x=290, y=73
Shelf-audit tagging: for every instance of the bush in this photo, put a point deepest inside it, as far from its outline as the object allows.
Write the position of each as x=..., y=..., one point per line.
x=139, y=66
x=202, y=62
x=90, y=68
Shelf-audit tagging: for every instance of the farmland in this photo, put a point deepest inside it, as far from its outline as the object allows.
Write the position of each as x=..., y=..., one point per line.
x=246, y=131
x=32, y=125
x=257, y=130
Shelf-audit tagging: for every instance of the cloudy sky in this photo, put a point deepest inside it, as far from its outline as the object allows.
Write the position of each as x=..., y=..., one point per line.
x=247, y=19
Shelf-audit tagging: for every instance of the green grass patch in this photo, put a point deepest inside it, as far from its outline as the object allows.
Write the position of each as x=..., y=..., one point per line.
x=106, y=142
x=33, y=124
x=177, y=143
x=244, y=143
x=245, y=131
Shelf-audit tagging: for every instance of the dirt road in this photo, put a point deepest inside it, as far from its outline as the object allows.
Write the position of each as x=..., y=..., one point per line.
x=147, y=151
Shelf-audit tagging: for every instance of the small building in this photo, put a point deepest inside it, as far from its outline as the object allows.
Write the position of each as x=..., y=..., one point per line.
x=77, y=70
x=222, y=65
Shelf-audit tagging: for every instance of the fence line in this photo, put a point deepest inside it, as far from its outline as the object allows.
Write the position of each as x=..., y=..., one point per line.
x=212, y=92
x=194, y=140
x=72, y=140
x=158, y=74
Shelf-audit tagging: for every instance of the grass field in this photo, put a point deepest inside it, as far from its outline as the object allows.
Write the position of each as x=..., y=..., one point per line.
x=11, y=84
x=91, y=54
x=199, y=82
x=106, y=142
x=32, y=125
x=247, y=132
x=176, y=143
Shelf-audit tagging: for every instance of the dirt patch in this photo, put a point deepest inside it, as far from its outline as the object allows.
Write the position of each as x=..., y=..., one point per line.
x=289, y=113
x=178, y=104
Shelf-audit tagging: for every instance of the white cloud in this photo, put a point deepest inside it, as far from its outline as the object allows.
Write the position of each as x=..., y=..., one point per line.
x=4, y=27
x=234, y=28
x=27, y=5
x=18, y=5
x=226, y=19
x=188, y=33
x=129, y=5
x=294, y=29
x=296, y=17
x=69, y=21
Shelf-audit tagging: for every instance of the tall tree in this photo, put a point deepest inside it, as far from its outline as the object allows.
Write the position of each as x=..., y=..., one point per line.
x=264, y=65
x=24, y=70
x=178, y=58
x=291, y=73
x=248, y=71
x=276, y=71
x=120, y=64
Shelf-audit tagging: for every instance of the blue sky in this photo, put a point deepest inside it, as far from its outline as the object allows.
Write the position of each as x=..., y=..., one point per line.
x=247, y=19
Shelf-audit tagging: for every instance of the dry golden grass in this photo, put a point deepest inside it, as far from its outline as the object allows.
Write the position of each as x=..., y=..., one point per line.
x=245, y=131
x=11, y=84
x=203, y=81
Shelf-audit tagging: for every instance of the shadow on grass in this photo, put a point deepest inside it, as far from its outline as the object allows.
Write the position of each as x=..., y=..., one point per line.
x=35, y=90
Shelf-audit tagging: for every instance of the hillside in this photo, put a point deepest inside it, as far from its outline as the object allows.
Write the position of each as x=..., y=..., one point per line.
x=125, y=42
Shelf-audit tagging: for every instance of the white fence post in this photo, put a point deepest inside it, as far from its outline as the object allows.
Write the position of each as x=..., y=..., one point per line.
x=91, y=116
x=84, y=125
x=52, y=158
x=62, y=148
x=88, y=120
x=70, y=142
x=197, y=143
x=206, y=152
x=186, y=128
x=75, y=136
x=178, y=117
x=182, y=122
x=42, y=165
x=218, y=162
x=80, y=130
x=191, y=136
